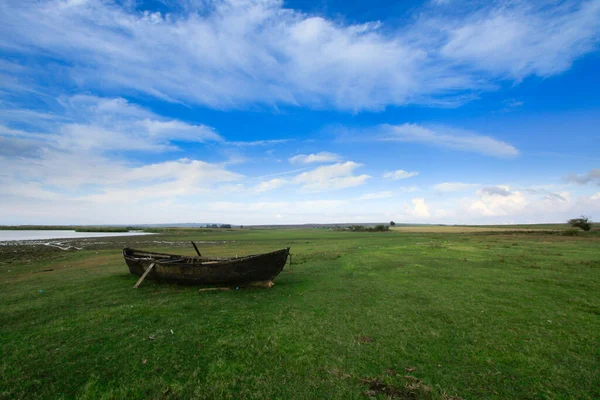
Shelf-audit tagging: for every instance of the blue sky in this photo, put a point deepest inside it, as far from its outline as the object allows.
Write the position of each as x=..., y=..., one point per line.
x=263, y=112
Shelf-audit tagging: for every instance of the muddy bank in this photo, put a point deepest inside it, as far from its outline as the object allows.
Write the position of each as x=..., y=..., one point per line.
x=34, y=250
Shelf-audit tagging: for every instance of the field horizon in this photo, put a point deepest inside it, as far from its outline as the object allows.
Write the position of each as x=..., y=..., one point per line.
x=550, y=225
x=397, y=314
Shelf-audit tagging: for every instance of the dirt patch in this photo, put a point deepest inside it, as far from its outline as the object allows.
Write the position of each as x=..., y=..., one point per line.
x=412, y=389
x=365, y=339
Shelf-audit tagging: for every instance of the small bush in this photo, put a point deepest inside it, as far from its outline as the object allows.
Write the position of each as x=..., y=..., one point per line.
x=582, y=222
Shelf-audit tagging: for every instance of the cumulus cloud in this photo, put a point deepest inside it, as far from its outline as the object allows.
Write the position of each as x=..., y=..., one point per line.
x=321, y=157
x=229, y=54
x=75, y=156
x=336, y=176
x=399, y=174
x=419, y=208
x=448, y=137
x=498, y=205
x=529, y=205
x=593, y=176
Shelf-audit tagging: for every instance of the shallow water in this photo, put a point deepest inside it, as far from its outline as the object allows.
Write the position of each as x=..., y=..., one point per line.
x=43, y=235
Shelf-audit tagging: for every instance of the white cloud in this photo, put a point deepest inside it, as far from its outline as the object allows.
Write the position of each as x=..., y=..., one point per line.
x=378, y=195
x=447, y=187
x=419, y=208
x=498, y=205
x=399, y=174
x=321, y=157
x=336, y=176
x=448, y=137
x=269, y=185
x=90, y=123
x=186, y=170
x=512, y=205
x=228, y=54
x=77, y=156
x=518, y=39
x=177, y=130
x=106, y=180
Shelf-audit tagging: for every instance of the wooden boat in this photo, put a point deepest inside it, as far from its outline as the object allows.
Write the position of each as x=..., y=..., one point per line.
x=197, y=269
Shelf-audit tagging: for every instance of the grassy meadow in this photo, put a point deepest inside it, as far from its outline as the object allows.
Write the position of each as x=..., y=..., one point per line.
x=408, y=314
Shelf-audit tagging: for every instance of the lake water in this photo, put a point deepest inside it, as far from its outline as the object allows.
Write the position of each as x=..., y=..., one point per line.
x=44, y=235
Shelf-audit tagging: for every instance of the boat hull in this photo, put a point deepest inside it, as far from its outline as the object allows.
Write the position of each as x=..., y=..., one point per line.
x=203, y=270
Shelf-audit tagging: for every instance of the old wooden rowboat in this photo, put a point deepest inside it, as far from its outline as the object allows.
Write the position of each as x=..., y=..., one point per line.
x=197, y=269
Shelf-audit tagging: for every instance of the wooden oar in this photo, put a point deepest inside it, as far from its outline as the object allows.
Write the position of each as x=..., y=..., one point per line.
x=195, y=248
x=139, y=282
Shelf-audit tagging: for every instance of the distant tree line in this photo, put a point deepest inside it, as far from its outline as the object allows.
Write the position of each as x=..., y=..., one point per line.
x=223, y=226
x=361, y=228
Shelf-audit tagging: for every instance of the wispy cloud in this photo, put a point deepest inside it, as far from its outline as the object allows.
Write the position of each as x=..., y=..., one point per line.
x=256, y=143
x=448, y=137
x=513, y=103
x=519, y=38
x=230, y=54
x=269, y=185
x=102, y=124
x=177, y=130
x=336, y=176
x=293, y=171
x=321, y=157
x=399, y=174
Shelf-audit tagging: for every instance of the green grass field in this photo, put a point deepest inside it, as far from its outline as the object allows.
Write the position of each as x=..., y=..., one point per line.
x=400, y=314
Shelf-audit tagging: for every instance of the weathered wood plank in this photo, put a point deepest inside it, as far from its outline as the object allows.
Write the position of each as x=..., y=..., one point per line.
x=146, y=272
x=196, y=248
